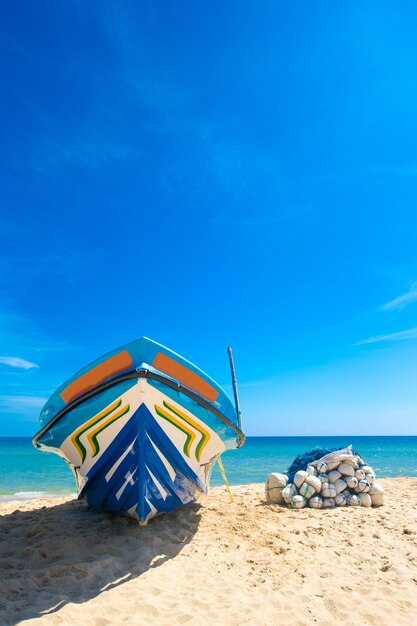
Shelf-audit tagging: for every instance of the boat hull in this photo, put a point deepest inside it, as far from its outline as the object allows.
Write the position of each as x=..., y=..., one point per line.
x=140, y=445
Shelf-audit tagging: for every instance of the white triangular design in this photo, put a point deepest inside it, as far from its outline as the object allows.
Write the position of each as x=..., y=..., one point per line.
x=119, y=460
x=152, y=511
x=161, y=490
x=133, y=512
x=129, y=480
x=165, y=461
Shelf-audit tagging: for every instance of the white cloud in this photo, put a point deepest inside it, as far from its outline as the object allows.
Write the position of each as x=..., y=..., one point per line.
x=250, y=383
x=402, y=301
x=14, y=361
x=404, y=334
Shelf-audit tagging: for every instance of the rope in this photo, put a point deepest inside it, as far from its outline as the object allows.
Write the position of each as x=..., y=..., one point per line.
x=220, y=462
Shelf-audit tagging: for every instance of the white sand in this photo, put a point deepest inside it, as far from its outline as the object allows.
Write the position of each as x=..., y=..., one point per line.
x=212, y=563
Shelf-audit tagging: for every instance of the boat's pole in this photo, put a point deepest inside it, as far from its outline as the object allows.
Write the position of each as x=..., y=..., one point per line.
x=234, y=383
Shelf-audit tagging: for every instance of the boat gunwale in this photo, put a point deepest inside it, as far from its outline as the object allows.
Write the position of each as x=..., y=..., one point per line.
x=142, y=373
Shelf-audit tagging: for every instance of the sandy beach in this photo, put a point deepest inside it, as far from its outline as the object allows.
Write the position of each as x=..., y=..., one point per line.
x=249, y=562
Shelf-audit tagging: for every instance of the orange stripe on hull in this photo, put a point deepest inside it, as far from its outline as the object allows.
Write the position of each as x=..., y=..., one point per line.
x=193, y=381
x=114, y=365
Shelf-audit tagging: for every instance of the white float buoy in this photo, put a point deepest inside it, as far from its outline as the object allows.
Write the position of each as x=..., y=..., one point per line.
x=315, y=502
x=351, y=481
x=288, y=492
x=307, y=490
x=377, y=499
x=362, y=486
x=346, y=469
x=314, y=482
x=274, y=485
x=300, y=477
x=376, y=492
x=298, y=502
x=340, y=499
x=334, y=475
x=353, y=500
x=365, y=499
x=328, y=490
x=340, y=485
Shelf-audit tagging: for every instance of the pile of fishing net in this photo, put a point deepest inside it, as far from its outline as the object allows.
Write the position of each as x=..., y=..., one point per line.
x=323, y=479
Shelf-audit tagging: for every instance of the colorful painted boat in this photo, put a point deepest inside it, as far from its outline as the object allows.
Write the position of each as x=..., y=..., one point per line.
x=141, y=428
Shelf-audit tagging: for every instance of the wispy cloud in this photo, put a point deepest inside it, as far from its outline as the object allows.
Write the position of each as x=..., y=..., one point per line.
x=15, y=361
x=251, y=383
x=402, y=301
x=404, y=334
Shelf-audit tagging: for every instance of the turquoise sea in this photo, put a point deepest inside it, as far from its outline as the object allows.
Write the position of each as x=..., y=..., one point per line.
x=25, y=471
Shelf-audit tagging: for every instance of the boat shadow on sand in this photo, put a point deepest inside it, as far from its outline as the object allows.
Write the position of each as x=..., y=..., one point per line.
x=64, y=553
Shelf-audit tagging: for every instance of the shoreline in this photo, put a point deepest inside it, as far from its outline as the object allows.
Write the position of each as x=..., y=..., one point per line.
x=23, y=496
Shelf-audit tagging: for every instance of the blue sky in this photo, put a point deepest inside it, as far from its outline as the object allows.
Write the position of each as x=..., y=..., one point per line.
x=208, y=174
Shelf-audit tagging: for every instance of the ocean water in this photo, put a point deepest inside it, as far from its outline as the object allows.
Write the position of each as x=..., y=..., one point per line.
x=25, y=471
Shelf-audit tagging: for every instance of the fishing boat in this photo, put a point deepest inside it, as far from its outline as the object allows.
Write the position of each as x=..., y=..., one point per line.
x=141, y=428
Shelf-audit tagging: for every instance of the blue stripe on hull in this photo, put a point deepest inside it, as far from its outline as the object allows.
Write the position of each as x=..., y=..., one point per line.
x=141, y=485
